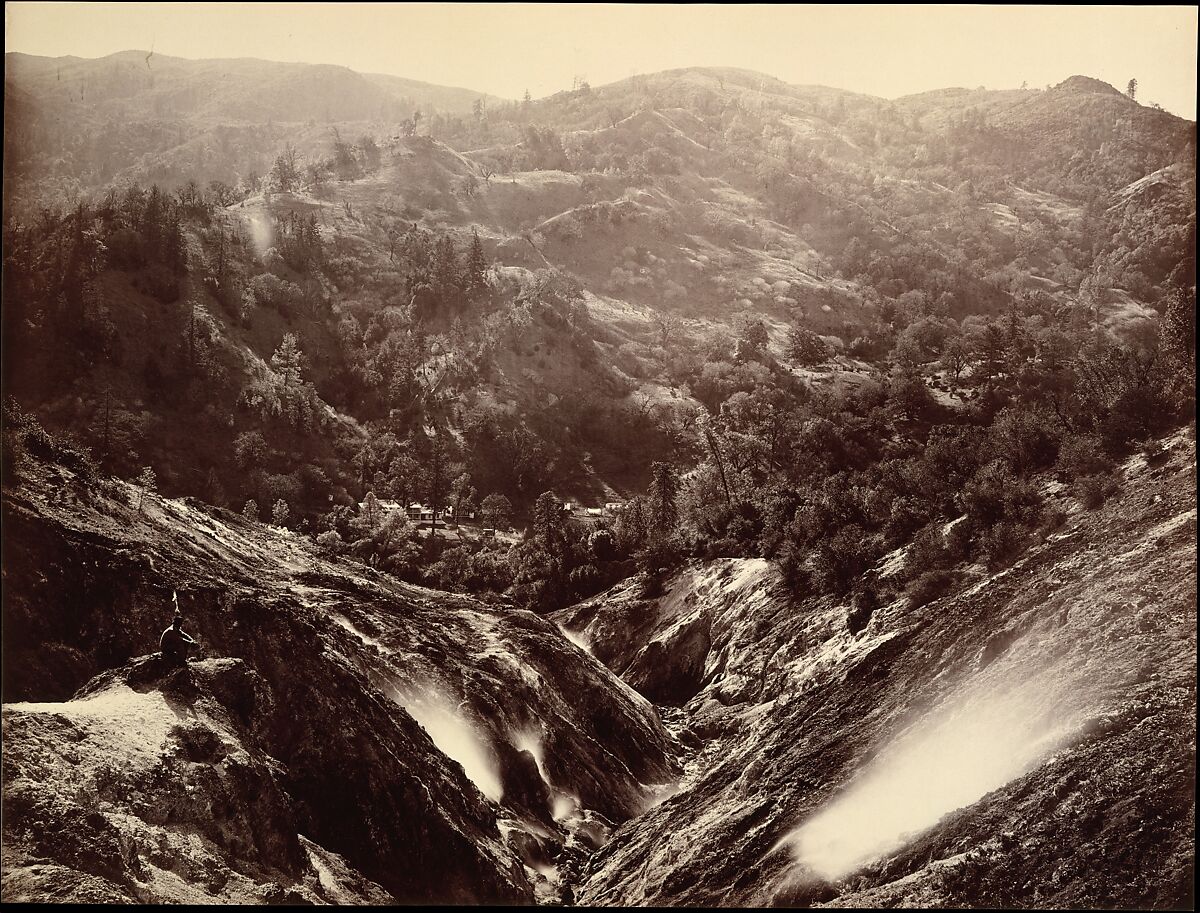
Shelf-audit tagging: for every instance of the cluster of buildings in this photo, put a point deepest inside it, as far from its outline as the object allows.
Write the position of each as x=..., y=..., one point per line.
x=421, y=513
x=609, y=509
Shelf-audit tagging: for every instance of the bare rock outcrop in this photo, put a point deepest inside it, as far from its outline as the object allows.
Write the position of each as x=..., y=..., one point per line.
x=346, y=736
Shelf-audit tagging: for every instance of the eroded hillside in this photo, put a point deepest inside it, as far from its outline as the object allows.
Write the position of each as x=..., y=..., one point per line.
x=998, y=747
x=348, y=737
x=868, y=397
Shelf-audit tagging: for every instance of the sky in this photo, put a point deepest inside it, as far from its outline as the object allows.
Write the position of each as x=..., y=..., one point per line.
x=506, y=49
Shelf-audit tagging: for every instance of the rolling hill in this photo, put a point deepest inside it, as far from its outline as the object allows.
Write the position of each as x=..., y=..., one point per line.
x=795, y=443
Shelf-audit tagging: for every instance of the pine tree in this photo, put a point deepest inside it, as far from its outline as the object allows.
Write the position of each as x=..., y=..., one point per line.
x=287, y=169
x=279, y=513
x=476, y=269
x=1177, y=338
x=146, y=481
x=436, y=475
x=664, y=486
x=447, y=276
x=288, y=361
x=311, y=245
x=174, y=245
x=548, y=522
x=372, y=512
x=250, y=511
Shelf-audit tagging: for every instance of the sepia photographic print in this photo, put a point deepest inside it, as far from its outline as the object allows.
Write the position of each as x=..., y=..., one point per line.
x=602, y=455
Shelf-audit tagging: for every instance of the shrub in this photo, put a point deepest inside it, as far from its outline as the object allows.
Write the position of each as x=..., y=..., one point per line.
x=39, y=443
x=1137, y=413
x=1092, y=491
x=927, y=550
x=23, y=434
x=958, y=541
x=1000, y=544
x=1052, y=519
x=862, y=606
x=659, y=556
x=797, y=576
x=843, y=558
x=330, y=541
x=993, y=494
x=652, y=586
x=1027, y=440
x=1083, y=455
x=12, y=457
x=1155, y=453
x=929, y=586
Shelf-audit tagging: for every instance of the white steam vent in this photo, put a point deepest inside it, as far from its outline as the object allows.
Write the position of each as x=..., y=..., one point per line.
x=260, y=232
x=530, y=739
x=578, y=638
x=455, y=737
x=981, y=740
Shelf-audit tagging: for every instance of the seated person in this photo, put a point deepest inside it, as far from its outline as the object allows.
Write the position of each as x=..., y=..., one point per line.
x=175, y=644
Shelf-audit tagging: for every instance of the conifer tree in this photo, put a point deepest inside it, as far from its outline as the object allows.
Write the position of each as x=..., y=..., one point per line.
x=476, y=269
x=288, y=361
x=146, y=481
x=664, y=486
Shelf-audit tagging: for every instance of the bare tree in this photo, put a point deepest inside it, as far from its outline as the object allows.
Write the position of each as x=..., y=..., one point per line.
x=668, y=325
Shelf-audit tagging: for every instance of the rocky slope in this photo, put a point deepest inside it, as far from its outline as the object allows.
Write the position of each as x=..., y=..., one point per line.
x=347, y=738
x=1028, y=742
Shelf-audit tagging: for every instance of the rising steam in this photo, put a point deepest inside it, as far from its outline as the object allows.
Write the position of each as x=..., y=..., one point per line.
x=578, y=638
x=260, y=232
x=565, y=804
x=455, y=737
x=974, y=744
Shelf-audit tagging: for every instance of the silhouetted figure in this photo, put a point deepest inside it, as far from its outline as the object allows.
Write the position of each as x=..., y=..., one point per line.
x=175, y=644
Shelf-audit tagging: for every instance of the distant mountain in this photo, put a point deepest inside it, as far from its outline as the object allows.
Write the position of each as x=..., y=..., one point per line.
x=164, y=119
x=143, y=84
x=449, y=99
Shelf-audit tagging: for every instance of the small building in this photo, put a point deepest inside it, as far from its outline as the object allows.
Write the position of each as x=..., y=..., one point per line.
x=420, y=513
x=595, y=511
x=385, y=507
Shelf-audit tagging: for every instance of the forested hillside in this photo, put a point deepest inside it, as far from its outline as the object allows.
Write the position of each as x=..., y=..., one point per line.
x=694, y=490
x=769, y=320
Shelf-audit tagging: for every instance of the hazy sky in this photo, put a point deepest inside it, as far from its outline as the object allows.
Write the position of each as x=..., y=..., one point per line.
x=505, y=49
